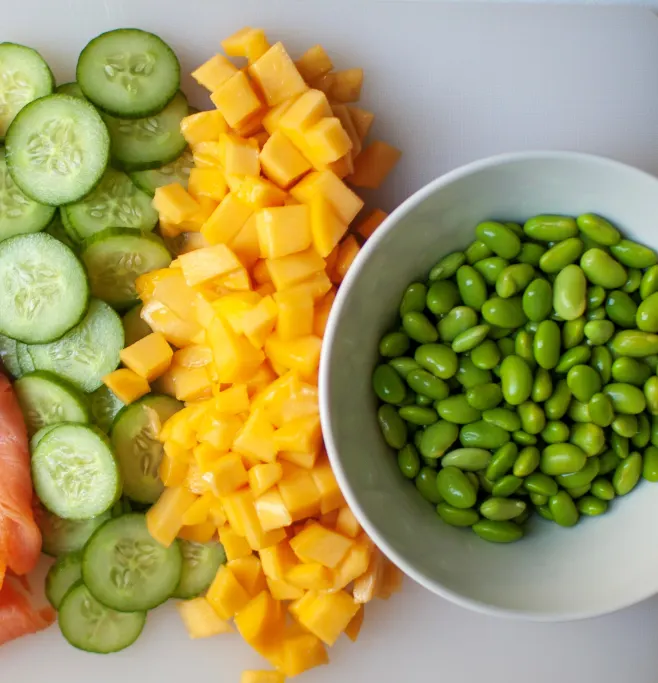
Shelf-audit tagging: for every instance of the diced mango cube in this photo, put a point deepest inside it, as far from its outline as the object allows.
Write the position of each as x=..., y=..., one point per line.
x=191, y=384
x=346, y=85
x=327, y=140
x=226, y=596
x=343, y=200
x=315, y=286
x=301, y=652
x=149, y=357
x=282, y=590
x=172, y=472
x=374, y=163
x=261, y=138
x=195, y=356
x=310, y=576
x=236, y=99
x=304, y=460
x=342, y=113
x=235, y=357
x=253, y=124
x=273, y=116
x=272, y=512
x=328, y=615
x=256, y=438
x=262, y=477
x=301, y=354
x=347, y=252
x=226, y=220
x=323, y=83
x=354, y=627
x=214, y=73
x=198, y=511
x=260, y=193
x=174, y=203
x=322, y=310
x=247, y=42
x=262, y=677
x=287, y=271
x=368, y=584
x=362, y=119
x=258, y=323
x=354, y=565
x=277, y=75
x=165, y=518
x=230, y=474
x=261, y=272
x=347, y=524
x=176, y=295
x=204, y=126
x=325, y=480
x=257, y=620
x=370, y=223
x=219, y=431
x=207, y=154
x=327, y=227
x=126, y=385
x=207, y=182
x=391, y=581
x=233, y=307
x=314, y=63
x=249, y=572
x=232, y=400
x=305, y=111
x=198, y=533
x=341, y=167
x=295, y=317
x=245, y=244
x=201, y=620
x=277, y=560
x=206, y=457
x=281, y=161
x=317, y=544
x=206, y=264
x=300, y=495
x=283, y=230
x=239, y=156
x=176, y=331
x=235, y=546
x=302, y=434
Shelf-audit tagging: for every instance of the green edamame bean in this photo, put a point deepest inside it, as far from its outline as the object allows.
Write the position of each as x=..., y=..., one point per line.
x=476, y=251
x=649, y=284
x=503, y=418
x=584, y=382
x=601, y=411
x=558, y=404
x=469, y=339
x=541, y=484
x=627, y=474
x=481, y=434
x=516, y=229
x=419, y=327
x=484, y=396
x=531, y=253
x=654, y=431
x=595, y=297
x=651, y=394
x=409, y=461
x=526, y=462
x=537, y=300
x=555, y=431
x=599, y=331
x=516, y=380
x=427, y=384
x=447, y=266
x=544, y=512
x=470, y=376
x=608, y=462
x=546, y=345
x=523, y=438
x=542, y=387
x=498, y=532
x=456, y=488
x=634, y=343
x=630, y=371
x=388, y=385
x=502, y=462
x=499, y=238
x=563, y=509
x=598, y=229
x=458, y=320
x=537, y=499
x=523, y=347
x=621, y=309
x=403, y=365
x=437, y=439
x=418, y=415
x=570, y=292
x=455, y=516
x=426, y=485
x=506, y=347
x=550, y=228
x=602, y=489
x=514, y=279
x=472, y=287
x=506, y=486
x=422, y=400
x=413, y=299
x=501, y=509
x=485, y=355
x=591, y=506
x=438, y=359
x=394, y=428
x=491, y=268
x=596, y=314
x=578, y=411
x=561, y=255
x=578, y=355
x=507, y=313
x=633, y=281
x=602, y=269
x=620, y=445
x=626, y=398
x=625, y=425
x=643, y=435
x=531, y=327
x=497, y=333
x=532, y=417
x=583, y=477
x=634, y=255
x=579, y=492
x=601, y=361
x=394, y=344
x=457, y=410
x=573, y=332
x=467, y=459
x=442, y=297
x=650, y=465
x=647, y=314
x=561, y=458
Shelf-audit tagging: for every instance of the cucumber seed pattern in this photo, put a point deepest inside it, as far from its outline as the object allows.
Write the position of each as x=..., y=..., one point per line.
x=55, y=147
x=129, y=70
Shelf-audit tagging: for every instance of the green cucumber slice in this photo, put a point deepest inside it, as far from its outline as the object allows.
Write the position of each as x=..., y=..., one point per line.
x=9, y=356
x=62, y=576
x=176, y=171
x=75, y=473
x=88, y=352
x=39, y=434
x=150, y=142
x=126, y=569
x=19, y=215
x=63, y=536
x=139, y=451
x=90, y=626
x=72, y=89
x=116, y=201
x=45, y=400
x=116, y=257
x=57, y=230
x=104, y=406
x=128, y=73
x=200, y=564
x=25, y=361
x=24, y=76
x=57, y=149
x=134, y=327
x=44, y=291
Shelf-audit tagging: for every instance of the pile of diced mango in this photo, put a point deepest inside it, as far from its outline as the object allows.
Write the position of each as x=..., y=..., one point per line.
x=268, y=237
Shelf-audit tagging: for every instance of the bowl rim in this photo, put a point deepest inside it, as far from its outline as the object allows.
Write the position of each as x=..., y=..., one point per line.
x=343, y=293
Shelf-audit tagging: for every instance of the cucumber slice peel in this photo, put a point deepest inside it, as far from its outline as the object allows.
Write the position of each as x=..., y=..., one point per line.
x=200, y=564
x=104, y=406
x=63, y=536
x=62, y=576
x=9, y=356
x=176, y=171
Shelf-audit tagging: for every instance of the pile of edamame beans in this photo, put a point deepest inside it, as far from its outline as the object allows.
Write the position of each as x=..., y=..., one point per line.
x=522, y=375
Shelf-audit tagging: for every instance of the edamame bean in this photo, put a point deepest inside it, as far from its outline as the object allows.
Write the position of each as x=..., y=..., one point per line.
x=591, y=506
x=621, y=309
x=447, y=266
x=633, y=281
x=523, y=438
x=486, y=355
x=531, y=253
x=426, y=485
x=456, y=488
x=601, y=269
x=526, y=462
x=469, y=339
x=630, y=371
x=537, y=499
x=481, y=434
x=403, y=365
x=601, y=361
x=597, y=314
x=557, y=405
x=643, y=434
x=394, y=428
x=627, y=474
x=456, y=409
x=537, y=300
x=563, y=509
x=545, y=513
x=601, y=411
x=548, y=228
x=633, y=255
x=491, y=268
x=532, y=417
x=602, y=489
x=456, y=516
x=541, y=484
x=595, y=297
x=388, y=385
x=626, y=398
x=649, y=284
x=409, y=461
x=506, y=486
x=578, y=411
x=394, y=344
x=506, y=346
x=578, y=355
x=472, y=287
x=503, y=418
x=476, y=251
x=650, y=465
x=561, y=255
x=427, y=384
x=502, y=462
x=555, y=431
x=570, y=293
x=542, y=387
x=647, y=314
x=437, y=439
x=599, y=331
x=507, y=313
x=418, y=415
x=514, y=279
x=484, y=396
x=467, y=459
x=419, y=327
x=583, y=477
x=422, y=400
x=620, y=445
x=442, y=297
x=546, y=344
x=598, y=229
x=608, y=462
x=413, y=299
x=438, y=359
x=458, y=320
x=501, y=509
x=589, y=437
x=561, y=458
x=523, y=347
x=651, y=394
x=470, y=376
x=573, y=332
x=498, y=532
x=634, y=343
x=625, y=425
x=499, y=238
x=516, y=380
x=584, y=382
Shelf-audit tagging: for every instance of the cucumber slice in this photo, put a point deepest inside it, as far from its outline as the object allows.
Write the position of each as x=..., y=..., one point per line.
x=57, y=230
x=139, y=452
x=116, y=201
x=45, y=400
x=126, y=569
x=116, y=257
x=63, y=536
x=44, y=291
x=150, y=142
x=133, y=326
x=57, y=149
x=39, y=434
x=72, y=89
x=24, y=358
x=128, y=73
x=19, y=215
x=62, y=576
x=75, y=473
x=88, y=352
x=200, y=564
x=9, y=356
x=176, y=171
x=90, y=626
x=104, y=407
x=24, y=76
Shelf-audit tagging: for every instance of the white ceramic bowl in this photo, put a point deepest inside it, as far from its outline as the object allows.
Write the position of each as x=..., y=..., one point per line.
x=600, y=565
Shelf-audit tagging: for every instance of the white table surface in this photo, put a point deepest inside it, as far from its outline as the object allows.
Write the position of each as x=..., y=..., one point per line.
x=450, y=83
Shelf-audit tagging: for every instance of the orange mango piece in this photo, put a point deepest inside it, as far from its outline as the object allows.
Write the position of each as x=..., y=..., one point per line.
x=303, y=434
x=347, y=523
x=346, y=85
x=310, y=576
x=281, y=161
x=272, y=512
x=362, y=119
x=354, y=627
x=301, y=652
x=200, y=619
x=225, y=595
x=374, y=163
x=236, y=99
x=262, y=677
x=175, y=203
x=207, y=182
x=226, y=220
x=328, y=615
x=317, y=544
x=287, y=271
x=249, y=572
x=277, y=76
x=315, y=62
x=370, y=223
x=126, y=385
x=214, y=73
x=204, y=126
x=295, y=313
x=300, y=495
x=165, y=518
x=283, y=230
x=247, y=42
x=347, y=252
x=262, y=477
x=301, y=354
x=344, y=201
x=235, y=545
x=230, y=474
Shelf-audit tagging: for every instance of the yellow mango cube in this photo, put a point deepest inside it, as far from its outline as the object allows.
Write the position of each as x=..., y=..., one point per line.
x=391, y=581
x=176, y=295
x=281, y=161
x=258, y=323
x=304, y=460
x=235, y=546
x=328, y=615
x=354, y=565
x=199, y=533
x=301, y=354
x=172, y=472
x=260, y=138
x=303, y=434
x=225, y=595
x=273, y=116
x=206, y=264
x=195, y=356
x=362, y=119
x=311, y=576
x=343, y=200
x=366, y=586
x=232, y=401
x=262, y=677
x=207, y=182
x=370, y=223
x=204, y=126
x=230, y=474
x=374, y=163
x=174, y=203
x=233, y=307
x=315, y=286
x=272, y=512
x=277, y=76
x=282, y=590
x=126, y=385
x=290, y=270
x=226, y=220
x=245, y=244
x=214, y=73
x=253, y=124
x=277, y=560
x=247, y=42
x=354, y=627
x=283, y=230
x=262, y=477
x=200, y=619
x=241, y=512
x=236, y=99
x=304, y=404
x=235, y=358
x=295, y=317
x=149, y=357
x=346, y=85
x=301, y=652
x=327, y=140
x=315, y=62
x=347, y=524
x=342, y=113
x=317, y=544
x=191, y=384
x=256, y=438
x=306, y=110
x=325, y=480
x=347, y=252
x=249, y=572
x=176, y=331
x=327, y=228
x=258, y=619
x=164, y=519
x=323, y=82
x=341, y=167
x=322, y=310
x=207, y=154
x=300, y=495
x=206, y=457
x=260, y=193
x=239, y=156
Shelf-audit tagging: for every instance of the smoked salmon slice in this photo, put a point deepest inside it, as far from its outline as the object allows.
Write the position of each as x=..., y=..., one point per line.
x=18, y=617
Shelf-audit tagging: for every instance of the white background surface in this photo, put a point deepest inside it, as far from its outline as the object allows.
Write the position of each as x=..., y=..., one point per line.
x=450, y=83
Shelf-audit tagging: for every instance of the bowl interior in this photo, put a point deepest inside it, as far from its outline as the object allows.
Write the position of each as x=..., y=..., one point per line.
x=598, y=566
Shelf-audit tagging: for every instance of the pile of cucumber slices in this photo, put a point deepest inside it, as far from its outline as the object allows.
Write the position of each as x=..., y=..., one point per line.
x=78, y=169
